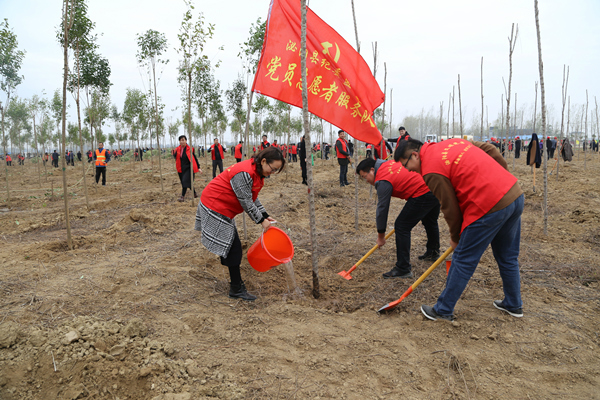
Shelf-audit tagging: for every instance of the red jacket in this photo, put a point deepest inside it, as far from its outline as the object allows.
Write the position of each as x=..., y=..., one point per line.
x=478, y=180
x=406, y=184
x=192, y=159
x=219, y=196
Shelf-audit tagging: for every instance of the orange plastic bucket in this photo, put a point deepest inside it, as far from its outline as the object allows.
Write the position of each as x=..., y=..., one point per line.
x=273, y=247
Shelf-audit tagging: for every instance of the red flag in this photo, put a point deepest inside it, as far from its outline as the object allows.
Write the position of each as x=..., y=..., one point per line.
x=341, y=87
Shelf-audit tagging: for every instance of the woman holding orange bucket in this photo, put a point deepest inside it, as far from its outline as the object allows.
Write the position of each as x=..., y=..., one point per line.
x=229, y=194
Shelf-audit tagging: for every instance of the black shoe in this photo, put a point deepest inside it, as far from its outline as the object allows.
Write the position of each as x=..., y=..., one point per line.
x=515, y=312
x=240, y=292
x=346, y=183
x=305, y=183
x=342, y=184
x=430, y=255
x=395, y=273
x=429, y=312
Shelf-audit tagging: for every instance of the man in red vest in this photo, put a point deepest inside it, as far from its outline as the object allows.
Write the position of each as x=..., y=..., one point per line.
x=343, y=157
x=102, y=157
x=392, y=180
x=482, y=204
x=265, y=143
x=238, y=151
x=216, y=151
x=8, y=160
x=294, y=153
x=369, y=150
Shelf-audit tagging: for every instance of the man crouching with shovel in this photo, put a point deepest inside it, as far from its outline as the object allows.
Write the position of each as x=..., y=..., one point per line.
x=482, y=203
x=391, y=179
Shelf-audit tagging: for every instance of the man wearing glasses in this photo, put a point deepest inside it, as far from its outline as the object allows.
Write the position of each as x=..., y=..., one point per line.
x=482, y=204
x=391, y=179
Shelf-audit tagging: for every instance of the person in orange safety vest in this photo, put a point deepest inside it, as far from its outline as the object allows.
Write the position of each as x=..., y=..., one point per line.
x=102, y=157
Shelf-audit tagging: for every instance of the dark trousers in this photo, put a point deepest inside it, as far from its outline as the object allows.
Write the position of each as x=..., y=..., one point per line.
x=294, y=158
x=426, y=209
x=217, y=163
x=343, y=171
x=303, y=167
x=101, y=171
x=517, y=152
x=233, y=260
x=55, y=163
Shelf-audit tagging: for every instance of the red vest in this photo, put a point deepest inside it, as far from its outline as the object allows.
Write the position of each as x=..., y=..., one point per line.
x=8, y=158
x=264, y=145
x=213, y=149
x=344, y=147
x=406, y=184
x=378, y=147
x=219, y=196
x=189, y=154
x=478, y=180
x=238, y=151
x=294, y=149
x=405, y=138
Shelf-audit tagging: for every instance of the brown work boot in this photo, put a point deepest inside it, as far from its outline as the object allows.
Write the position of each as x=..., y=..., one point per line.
x=181, y=199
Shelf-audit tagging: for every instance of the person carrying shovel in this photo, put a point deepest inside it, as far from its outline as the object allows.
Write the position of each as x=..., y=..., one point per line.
x=482, y=203
x=391, y=179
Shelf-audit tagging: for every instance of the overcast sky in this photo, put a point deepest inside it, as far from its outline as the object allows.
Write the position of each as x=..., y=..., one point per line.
x=425, y=45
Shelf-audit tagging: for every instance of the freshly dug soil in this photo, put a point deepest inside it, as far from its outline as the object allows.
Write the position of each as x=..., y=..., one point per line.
x=139, y=309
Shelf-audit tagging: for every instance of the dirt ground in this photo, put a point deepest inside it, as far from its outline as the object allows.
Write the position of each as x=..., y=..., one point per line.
x=139, y=309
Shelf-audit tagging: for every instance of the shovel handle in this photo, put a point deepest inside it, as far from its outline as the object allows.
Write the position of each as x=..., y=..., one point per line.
x=393, y=304
x=430, y=270
x=372, y=250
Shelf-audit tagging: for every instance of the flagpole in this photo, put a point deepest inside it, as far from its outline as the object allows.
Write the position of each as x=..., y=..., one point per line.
x=355, y=140
x=308, y=144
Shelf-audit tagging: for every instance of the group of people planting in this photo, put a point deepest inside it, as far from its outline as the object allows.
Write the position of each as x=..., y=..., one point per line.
x=467, y=181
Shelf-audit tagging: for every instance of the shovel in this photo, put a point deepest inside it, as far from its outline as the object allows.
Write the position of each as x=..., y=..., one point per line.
x=393, y=304
x=346, y=275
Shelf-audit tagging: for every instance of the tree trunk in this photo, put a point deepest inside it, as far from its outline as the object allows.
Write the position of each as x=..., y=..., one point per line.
x=4, y=147
x=562, y=118
x=481, y=131
x=585, y=130
x=87, y=201
x=311, y=196
x=460, y=120
x=64, y=124
x=543, y=100
x=190, y=132
x=37, y=152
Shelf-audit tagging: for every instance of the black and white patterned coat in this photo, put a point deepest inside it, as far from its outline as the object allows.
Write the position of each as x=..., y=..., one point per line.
x=218, y=230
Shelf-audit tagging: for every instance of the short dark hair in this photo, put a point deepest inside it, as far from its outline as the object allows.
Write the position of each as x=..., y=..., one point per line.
x=406, y=147
x=365, y=165
x=402, y=128
x=270, y=154
x=182, y=137
x=341, y=131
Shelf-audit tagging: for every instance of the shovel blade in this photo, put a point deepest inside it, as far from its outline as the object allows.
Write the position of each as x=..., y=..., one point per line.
x=345, y=275
x=389, y=306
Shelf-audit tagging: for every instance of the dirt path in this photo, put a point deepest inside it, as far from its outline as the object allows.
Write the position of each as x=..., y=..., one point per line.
x=139, y=309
